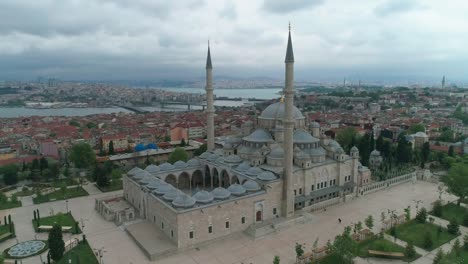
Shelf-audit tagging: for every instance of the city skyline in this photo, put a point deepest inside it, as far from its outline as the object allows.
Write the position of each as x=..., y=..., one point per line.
x=153, y=40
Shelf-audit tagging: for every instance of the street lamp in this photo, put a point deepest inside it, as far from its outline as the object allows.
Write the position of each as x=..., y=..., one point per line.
x=417, y=204
x=77, y=257
x=99, y=253
x=66, y=202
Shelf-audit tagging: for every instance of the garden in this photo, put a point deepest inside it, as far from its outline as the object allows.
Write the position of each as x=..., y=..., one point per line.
x=82, y=253
x=8, y=203
x=451, y=212
x=64, y=220
x=62, y=194
x=383, y=245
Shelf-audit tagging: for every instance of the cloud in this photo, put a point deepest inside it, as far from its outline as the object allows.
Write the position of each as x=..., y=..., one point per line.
x=391, y=7
x=283, y=7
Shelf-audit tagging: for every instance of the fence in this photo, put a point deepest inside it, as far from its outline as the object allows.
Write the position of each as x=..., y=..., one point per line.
x=322, y=205
x=373, y=187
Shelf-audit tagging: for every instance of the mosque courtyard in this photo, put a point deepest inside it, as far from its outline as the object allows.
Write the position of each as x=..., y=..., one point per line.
x=238, y=248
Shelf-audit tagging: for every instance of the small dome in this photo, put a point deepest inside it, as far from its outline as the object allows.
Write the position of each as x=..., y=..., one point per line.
x=180, y=164
x=277, y=153
x=153, y=169
x=227, y=146
x=233, y=159
x=193, y=162
x=259, y=136
x=354, y=149
x=254, y=171
x=375, y=153
x=420, y=134
x=205, y=155
x=154, y=183
x=303, y=137
x=203, y=197
x=244, y=150
x=244, y=166
x=236, y=189
x=166, y=166
x=220, y=160
x=183, y=201
x=140, y=175
x=213, y=157
x=146, y=179
x=301, y=155
x=314, y=125
x=339, y=150
x=171, y=195
x=316, y=151
x=134, y=171
x=220, y=193
x=163, y=188
x=251, y=186
x=266, y=176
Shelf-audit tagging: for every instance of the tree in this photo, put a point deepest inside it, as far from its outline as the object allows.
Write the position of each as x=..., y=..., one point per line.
x=437, y=208
x=427, y=242
x=369, y=222
x=111, y=148
x=10, y=174
x=410, y=252
x=54, y=171
x=56, y=244
x=386, y=149
x=345, y=137
x=453, y=227
x=416, y=128
x=404, y=150
x=182, y=142
x=425, y=151
x=102, y=180
x=456, y=181
x=364, y=146
x=465, y=242
x=178, y=154
x=421, y=216
x=276, y=260
x=407, y=213
x=343, y=249
x=457, y=247
x=82, y=155
x=43, y=164
x=451, y=151
x=200, y=150
x=438, y=257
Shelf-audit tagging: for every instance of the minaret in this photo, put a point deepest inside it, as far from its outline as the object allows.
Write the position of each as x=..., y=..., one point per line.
x=288, y=188
x=209, y=102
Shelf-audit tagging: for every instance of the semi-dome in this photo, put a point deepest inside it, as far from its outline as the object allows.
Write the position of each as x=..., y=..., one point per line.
x=251, y=186
x=154, y=183
x=277, y=153
x=220, y=193
x=180, y=164
x=236, y=189
x=193, y=162
x=141, y=175
x=254, y=171
x=303, y=137
x=276, y=111
x=213, y=157
x=316, y=151
x=153, y=169
x=163, y=188
x=183, y=201
x=203, y=197
x=266, y=176
x=233, y=159
x=205, y=155
x=171, y=195
x=134, y=171
x=166, y=166
x=260, y=135
x=244, y=166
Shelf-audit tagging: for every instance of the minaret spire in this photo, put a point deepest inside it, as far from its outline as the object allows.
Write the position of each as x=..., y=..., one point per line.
x=288, y=180
x=209, y=102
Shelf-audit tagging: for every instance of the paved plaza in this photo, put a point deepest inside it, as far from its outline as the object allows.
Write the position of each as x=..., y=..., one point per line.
x=238, y=248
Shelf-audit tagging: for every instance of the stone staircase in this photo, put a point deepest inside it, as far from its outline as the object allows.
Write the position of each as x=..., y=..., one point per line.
x=271, y=226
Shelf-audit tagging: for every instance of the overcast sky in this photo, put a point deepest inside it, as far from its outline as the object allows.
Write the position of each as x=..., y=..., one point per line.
x=163, y=39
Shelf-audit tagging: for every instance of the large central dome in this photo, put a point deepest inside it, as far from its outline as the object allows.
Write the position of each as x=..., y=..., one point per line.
x=276, y=111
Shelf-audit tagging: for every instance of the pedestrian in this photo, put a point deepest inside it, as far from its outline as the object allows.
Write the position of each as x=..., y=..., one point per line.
x=339, y=220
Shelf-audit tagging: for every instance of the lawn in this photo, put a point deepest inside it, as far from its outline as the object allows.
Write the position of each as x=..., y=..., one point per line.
x=83, y=251
x=4, y=229
x=415, y=231
x=452, y=258
x=64, y=182
x=25, y=192
x=61, y=219
x=451, y=211
x=9, y=204
x=114, y=186
x=61, y=195
x=381, y=244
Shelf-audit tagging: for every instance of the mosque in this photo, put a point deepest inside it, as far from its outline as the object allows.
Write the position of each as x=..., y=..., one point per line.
x=280, y=166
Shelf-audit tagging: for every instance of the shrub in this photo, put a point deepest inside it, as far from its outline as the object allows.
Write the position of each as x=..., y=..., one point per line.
x=438, y=257
x=465, y=220
x=465, y=242
x=410, y=252
x=393, y=231
x=453, y=227
x=437, y=209
x=276, y=260
x=457, y=247
x=421, y=217
x=428, y=243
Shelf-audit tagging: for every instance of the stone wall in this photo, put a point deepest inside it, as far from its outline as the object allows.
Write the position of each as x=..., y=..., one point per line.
x=373, y=187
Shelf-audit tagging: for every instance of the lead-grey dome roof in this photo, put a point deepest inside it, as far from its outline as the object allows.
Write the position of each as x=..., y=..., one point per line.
x=154, y=183
x=193, y=162
x=146, y=179
x=375, y=153
x=354, y=149
x=180, y=164
x=140, y=175
x=163, y=188
x=251, y=186
x=244, y=166
x=134, y=171
x=171, y=195
x=277, y=153
x=204, y=155
x=266, y=176
x=303, y=137
x=276, y=111
x=153, y=169
x=203, y=197
x=236, y=189
x=254, y=171
x=183, y=201
x=220, y=193
x=260, y=135
x=213, y=157
x=233, y=159
x=166, y=166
